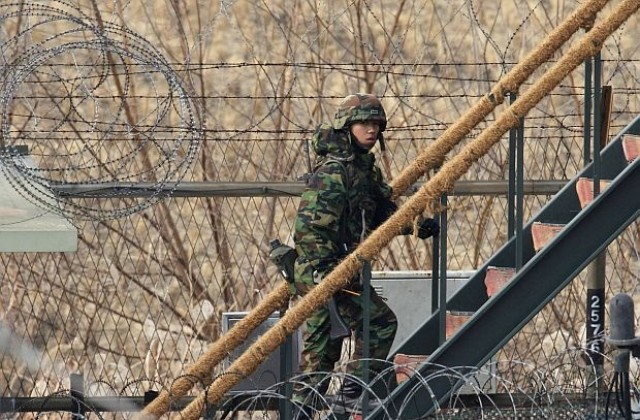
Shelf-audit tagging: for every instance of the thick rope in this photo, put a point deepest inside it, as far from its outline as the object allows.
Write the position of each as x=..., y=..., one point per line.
x=433, y=155
x=430, y=158
x=217, y=351
x=442, y=182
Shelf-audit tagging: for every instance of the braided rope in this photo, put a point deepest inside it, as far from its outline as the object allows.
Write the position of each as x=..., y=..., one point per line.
x=443, y=181
x=430, y=158
x=433, y=155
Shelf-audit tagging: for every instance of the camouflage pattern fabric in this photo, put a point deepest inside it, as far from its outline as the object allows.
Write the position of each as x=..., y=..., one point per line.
x=320, y=353
x=329, y=222
x=360, y=107
x=345, y=193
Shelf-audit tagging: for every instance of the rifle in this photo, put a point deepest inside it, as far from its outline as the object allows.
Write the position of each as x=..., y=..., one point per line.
x=284, y=256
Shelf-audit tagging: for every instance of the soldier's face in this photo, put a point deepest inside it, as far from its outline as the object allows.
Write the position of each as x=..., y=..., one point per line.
x=365, y=133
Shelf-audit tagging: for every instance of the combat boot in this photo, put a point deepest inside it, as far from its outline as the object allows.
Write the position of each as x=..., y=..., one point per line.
x=349, y=399
x=308, y=400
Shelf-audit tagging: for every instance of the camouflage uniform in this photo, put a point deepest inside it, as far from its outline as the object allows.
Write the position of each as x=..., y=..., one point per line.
x=345, y=190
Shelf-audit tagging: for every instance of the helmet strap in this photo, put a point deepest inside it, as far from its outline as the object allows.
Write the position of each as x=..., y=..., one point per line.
x=355, y=147
x=383, y=147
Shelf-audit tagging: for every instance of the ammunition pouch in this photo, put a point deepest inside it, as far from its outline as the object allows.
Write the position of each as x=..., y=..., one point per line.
x=284, y=257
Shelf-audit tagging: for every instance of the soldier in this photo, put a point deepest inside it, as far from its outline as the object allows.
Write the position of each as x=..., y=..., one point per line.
x=346, y=197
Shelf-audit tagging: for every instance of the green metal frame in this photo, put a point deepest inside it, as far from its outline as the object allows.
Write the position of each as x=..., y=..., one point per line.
x=587, y=233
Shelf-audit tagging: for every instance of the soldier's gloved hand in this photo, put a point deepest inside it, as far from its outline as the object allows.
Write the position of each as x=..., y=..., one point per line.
x=428, y=228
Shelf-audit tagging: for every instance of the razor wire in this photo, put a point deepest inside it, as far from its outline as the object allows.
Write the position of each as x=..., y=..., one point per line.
x=479, y=392
x=484, y=392
x=58, y=73
x=130, y=158
x=435, y=154
x=426, y=196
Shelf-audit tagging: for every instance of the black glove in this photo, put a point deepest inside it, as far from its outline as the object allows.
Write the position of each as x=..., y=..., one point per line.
x=428, y=228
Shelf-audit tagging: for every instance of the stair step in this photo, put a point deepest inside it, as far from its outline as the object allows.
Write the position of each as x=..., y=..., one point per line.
x=405, y=365
x=584, y=188
x=454, y=320
x=496, y=278
x=542, y=233
x=631, y=146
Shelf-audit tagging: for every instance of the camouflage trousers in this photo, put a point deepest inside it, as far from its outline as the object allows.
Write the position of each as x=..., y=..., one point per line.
x=320, y=352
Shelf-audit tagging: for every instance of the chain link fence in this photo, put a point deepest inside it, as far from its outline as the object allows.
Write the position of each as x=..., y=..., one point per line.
x=102, y=98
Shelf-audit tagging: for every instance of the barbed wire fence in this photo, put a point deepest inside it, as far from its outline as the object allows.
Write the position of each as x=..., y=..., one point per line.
x=69, y=83
x=104, y=99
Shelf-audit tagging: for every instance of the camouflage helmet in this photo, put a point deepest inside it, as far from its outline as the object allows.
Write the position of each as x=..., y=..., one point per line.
x=360, y=107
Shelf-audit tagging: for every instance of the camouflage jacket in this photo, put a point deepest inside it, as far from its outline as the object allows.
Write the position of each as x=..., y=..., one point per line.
x=345, y=190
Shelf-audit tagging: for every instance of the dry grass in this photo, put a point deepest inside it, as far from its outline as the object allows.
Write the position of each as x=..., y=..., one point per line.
x=143, y=296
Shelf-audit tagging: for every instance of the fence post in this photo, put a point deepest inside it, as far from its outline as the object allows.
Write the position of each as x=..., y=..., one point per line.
x=77, y=395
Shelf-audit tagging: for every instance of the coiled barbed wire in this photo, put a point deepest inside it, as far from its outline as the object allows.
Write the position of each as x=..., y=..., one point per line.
x=69, y=93
x=560, y=389
x=567, y=386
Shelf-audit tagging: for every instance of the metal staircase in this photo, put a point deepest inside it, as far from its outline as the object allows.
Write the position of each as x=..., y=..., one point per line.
x=549, y=264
